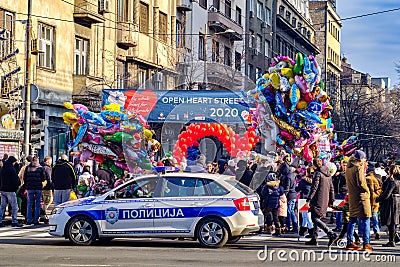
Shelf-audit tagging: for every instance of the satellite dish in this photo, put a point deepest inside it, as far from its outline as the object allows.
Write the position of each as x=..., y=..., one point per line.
x=34, y=93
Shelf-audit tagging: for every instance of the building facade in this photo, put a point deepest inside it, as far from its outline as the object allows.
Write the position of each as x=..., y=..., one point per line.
x=327, y=38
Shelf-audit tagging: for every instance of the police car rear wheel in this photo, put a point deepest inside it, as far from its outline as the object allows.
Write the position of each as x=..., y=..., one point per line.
x=212, y=233
x=82, y=231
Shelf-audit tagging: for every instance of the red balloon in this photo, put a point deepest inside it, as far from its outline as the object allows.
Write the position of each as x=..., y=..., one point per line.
x=197, y=127
x=251, y=140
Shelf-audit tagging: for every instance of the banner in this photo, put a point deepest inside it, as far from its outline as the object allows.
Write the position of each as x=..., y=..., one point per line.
x=181, y=105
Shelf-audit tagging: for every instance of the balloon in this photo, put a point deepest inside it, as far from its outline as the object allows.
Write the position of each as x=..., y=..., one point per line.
x=91, y=117
x=275, y=78
x=286, y=135
x=315, y=107
x=118, y=137
x=302, y=84
x=69, y=118
x=107, y=131
x=79, y=136
x=94, y=138
x=302, y=104
x=113, y=116
x=307, y=154
x=121, y=165
x=285, y=86
x=99, y=149
x=287, y=72
x=131, y=126
x=280, y=107
x=286, y=127
x=309, y=116
x=294, y=96
x=298, y=67
x=308, y=74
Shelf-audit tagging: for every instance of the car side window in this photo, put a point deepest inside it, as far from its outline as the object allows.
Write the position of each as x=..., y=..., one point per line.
x=143, y=188
x=183, y=187
x=215, y=188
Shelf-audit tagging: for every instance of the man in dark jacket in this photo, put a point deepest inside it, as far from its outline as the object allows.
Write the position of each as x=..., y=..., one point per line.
x=243, y=173
x=64, y=180
x=340, y=189
x=320, y=197
x=34, y=180
x=9, y=184
x=106, y=175
x=288, y=182
x=47, y=192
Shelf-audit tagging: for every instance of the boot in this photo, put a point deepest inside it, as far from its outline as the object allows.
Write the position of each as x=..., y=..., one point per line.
x=310, y=233
x=303, y=230
x=267, y=230
x=277, y=232
x=312, y=242
x=332, y=237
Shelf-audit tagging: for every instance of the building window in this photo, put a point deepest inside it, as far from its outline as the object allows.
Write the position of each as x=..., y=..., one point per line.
x=251, y=6
x=238, y=16
x=163, y=27
x=7, y=24
x=258, y=73
x=299, y=26
x=238, y=61
x=202, y=51
x=266, y=48
x=142, y=76
x=215, y=51
x=180, y=34
x=46, y=44
x=260, y=10
x=251, y=39
x=250, y=71
x=228, y=8
x=217, y=4
x=258, y=44
x=282, y=11
x=268, y=16
x=203, y=3
x=144, y=18
x=288, y=15
x=122, y=11
x=227, y=56
x=294, y=21
x=81, y=51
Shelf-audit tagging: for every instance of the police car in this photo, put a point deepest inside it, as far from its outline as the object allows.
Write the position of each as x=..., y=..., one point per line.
x=214, y=209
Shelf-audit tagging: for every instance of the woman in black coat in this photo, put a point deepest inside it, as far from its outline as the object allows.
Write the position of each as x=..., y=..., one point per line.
x=390, y=205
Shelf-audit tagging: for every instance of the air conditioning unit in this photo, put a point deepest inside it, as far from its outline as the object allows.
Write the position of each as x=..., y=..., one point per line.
x=251, y=14
x=35, y=48
x=104, y=6
x=264, y=25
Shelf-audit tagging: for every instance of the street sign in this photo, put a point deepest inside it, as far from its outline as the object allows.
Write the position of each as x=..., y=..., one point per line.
x=34, y=93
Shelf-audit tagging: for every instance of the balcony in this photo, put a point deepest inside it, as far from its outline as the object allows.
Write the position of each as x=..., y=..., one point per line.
x=82, y=83
x=184, y=5
x=127, y=34
x=86, y=12
x=218, y=22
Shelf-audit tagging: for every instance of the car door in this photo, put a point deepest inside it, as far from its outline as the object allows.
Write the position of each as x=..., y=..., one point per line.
x=181, y=201
x=131, y=209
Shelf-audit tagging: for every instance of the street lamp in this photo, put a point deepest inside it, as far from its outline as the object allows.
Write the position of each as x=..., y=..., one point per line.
x=206, y=36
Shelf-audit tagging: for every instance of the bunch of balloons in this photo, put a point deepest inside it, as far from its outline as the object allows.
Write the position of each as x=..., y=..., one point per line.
x=347, y=148
x=236, y=145
x=117, y=140
x=292, y=96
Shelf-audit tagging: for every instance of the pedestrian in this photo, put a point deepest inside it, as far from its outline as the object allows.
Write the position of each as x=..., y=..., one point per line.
x=390, y=205
x=47, y=191
x=9, y=183
x=304, y=188
x=282, y=212
x=78, y=167
x=340, y=189
x=375, y=189
x=288, y=182
x=21, y=172
x=243, y=172
x=345, y=220
x=106, y=175
x=270, y=195
x=359, y=201
x=230, y=168
x=320, y=197
x=64, y=180
x=34, y=181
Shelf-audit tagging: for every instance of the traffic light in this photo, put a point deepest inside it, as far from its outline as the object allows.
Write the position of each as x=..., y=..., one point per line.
x=37, y=131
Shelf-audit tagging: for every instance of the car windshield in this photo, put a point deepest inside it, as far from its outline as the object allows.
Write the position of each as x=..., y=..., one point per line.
x=241, y=187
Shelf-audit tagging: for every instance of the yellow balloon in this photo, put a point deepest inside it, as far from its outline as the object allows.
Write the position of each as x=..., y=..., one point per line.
x=276, y=79
x=288, y=72
x=302, y=104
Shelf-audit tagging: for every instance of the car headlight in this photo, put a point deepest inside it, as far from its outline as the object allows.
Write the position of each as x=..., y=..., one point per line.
x=57, y=210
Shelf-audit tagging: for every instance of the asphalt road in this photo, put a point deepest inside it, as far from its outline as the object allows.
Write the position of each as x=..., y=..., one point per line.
x=32, y=246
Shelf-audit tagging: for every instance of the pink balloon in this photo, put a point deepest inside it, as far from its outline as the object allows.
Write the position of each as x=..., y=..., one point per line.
x=286, y=135
x=307, y=154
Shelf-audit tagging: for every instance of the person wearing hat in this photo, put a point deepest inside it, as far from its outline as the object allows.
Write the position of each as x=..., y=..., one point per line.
x=359, y=201
x=9, y=184
x=375, y=189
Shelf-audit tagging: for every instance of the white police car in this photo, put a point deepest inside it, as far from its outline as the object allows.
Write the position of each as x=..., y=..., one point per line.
x=214, y=209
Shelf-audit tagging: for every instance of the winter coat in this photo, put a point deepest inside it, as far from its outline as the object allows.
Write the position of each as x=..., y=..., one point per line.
x=34, y=176
x=390, y=202
x=106, y=175
x=288, y=181
x=270, y=195
x=9, y=178
x=63, y=175
x=339, y=184
x=304, y=187
x=375, y=190
x=359, y=196
x=246, y=177
x=47, y=170
x=345, y=212
x=321, y=194
x=282, y=211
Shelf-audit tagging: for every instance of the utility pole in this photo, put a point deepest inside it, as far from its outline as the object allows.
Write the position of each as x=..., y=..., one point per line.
x=27, y=117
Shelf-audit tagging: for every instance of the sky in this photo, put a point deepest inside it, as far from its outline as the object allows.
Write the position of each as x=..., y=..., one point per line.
x=371, y=44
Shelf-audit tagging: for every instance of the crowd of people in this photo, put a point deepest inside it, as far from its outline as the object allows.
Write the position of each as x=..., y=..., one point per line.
x=31, y=187
x=370, y=193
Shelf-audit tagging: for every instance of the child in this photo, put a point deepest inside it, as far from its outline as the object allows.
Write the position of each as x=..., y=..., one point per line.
x=345, y=220
x=271, y=193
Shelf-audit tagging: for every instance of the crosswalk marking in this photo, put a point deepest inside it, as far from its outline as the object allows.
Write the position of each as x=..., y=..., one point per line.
x=24, y=232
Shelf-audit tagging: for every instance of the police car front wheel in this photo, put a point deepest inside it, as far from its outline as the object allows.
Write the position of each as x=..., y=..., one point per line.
x=81, y=231
x=212, y=233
